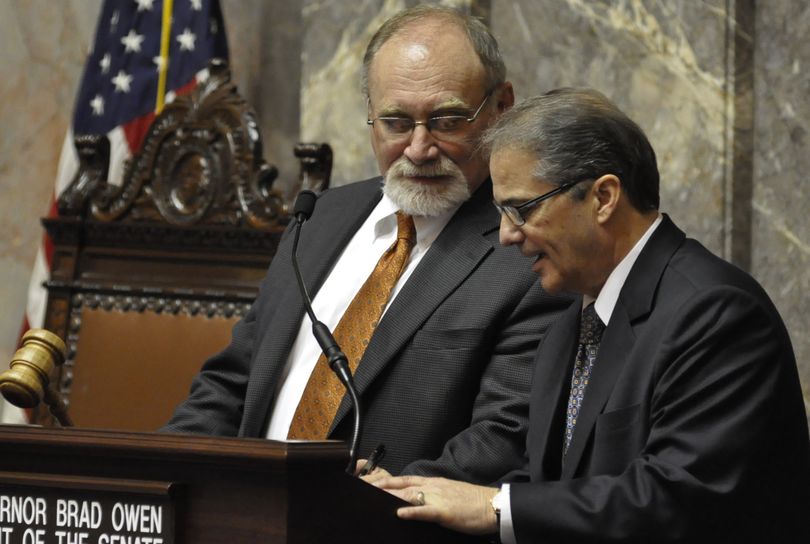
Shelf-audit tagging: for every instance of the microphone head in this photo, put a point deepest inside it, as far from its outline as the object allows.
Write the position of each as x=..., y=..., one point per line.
x=304, y=205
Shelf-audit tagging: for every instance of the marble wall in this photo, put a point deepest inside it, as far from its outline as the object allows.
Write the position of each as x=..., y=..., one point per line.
x=781, y=192
x=720, y=86
x=43, y=51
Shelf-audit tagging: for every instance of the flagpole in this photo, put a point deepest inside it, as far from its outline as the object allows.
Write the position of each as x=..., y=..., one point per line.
x=163, y=69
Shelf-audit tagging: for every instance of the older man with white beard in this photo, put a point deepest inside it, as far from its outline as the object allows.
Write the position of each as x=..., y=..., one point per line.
x=439, y=321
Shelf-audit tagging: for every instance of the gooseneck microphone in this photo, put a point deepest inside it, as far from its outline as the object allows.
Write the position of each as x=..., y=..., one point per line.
x=302, y=210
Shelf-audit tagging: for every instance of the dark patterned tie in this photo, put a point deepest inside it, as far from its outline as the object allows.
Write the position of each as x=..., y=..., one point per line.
x=324, y=391
x=590, y=334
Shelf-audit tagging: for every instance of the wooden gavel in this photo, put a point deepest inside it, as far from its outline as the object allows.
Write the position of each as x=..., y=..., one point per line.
x=28, y=380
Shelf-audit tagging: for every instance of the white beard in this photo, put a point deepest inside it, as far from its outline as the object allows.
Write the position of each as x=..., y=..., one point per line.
x=425, y=199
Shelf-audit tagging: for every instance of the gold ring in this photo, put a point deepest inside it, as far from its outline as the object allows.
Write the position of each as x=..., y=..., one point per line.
x=420, y=498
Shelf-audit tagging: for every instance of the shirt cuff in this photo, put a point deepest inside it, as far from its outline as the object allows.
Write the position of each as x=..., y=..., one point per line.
x=507, y=529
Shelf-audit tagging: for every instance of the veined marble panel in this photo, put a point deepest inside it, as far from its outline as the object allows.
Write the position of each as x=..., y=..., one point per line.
x=43, y=46
x=781, y=221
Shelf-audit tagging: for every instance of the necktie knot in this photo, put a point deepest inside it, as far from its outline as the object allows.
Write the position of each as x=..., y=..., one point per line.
x=591, y=327
x=405, y=228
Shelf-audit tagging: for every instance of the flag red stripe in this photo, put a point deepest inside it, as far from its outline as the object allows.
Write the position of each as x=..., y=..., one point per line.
x=135, y=131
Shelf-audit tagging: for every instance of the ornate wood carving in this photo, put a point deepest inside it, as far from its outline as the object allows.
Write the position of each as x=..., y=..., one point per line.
x=94, y=161
x=201, y=164
x=153, y=235
x=316, y=166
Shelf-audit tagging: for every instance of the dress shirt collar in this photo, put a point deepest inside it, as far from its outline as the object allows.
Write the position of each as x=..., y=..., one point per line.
x=427, y=228
x=606, y=300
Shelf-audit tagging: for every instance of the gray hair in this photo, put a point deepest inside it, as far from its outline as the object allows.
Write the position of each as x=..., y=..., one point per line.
x=482, y=40
x=579, y=134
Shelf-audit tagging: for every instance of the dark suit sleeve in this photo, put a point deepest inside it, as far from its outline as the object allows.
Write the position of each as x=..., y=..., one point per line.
x=494, y=442
x=721, y=417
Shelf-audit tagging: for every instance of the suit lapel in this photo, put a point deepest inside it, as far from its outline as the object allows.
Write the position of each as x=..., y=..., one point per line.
x=549, y=398
x=635, y=303
x=452, y=257
x=321, y=243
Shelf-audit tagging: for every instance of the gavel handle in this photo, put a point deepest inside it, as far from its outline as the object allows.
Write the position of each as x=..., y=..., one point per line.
x=57, y=407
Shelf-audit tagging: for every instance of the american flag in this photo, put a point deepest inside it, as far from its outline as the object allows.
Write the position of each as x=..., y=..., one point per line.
x=145, y=53
x=135, y=53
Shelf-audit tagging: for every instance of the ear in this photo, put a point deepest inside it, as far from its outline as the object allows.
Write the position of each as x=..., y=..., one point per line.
x=607, y=190
x=505, y=96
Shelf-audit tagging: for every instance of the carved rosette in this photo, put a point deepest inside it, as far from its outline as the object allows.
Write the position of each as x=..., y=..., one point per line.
x=184, y=184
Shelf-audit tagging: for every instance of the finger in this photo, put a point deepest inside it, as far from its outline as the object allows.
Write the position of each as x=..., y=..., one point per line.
x=376, y=475
x=401, y=482
x=419, y=513
x=403, y=494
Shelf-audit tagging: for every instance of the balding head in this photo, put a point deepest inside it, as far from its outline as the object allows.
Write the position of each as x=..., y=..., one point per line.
x=410, y=20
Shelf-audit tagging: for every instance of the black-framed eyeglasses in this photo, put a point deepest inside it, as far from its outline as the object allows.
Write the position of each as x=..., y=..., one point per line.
x=441, y=127
x=517, y=214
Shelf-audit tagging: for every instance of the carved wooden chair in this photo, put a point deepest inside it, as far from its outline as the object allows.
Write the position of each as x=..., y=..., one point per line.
x=148, y=278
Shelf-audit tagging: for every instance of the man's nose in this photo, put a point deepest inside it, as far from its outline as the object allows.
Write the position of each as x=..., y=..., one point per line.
x=422, y=147
x=509, y=234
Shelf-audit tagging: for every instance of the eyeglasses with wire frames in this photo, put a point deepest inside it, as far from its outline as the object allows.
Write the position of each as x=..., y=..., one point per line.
x=441, y=127
x=517, y=214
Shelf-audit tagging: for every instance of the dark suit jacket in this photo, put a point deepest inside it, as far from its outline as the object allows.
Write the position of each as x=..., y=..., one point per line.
x=444, y=380
x=692, y=427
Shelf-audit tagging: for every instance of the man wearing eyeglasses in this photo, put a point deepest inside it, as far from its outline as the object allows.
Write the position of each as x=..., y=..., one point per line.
x=665, y=403
x=443, y=375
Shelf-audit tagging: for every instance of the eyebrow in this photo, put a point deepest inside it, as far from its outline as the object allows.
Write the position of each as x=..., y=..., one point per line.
x=451, y=104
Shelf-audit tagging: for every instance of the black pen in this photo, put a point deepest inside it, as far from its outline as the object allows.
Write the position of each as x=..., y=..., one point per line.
x=373, y=460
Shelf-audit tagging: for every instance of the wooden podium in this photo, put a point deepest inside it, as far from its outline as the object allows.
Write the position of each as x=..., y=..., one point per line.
x=82, y=486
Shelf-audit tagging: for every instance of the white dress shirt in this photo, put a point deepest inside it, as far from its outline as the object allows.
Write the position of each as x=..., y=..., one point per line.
x=604, y=306
x=351, y=270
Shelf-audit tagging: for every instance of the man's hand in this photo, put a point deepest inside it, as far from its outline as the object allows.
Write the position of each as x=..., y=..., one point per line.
x=455, y=505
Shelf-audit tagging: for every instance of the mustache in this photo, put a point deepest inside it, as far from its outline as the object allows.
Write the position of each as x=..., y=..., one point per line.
x=440, y=167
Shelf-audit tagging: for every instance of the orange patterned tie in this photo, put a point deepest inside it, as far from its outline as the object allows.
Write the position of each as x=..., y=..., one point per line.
x=324, y=391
